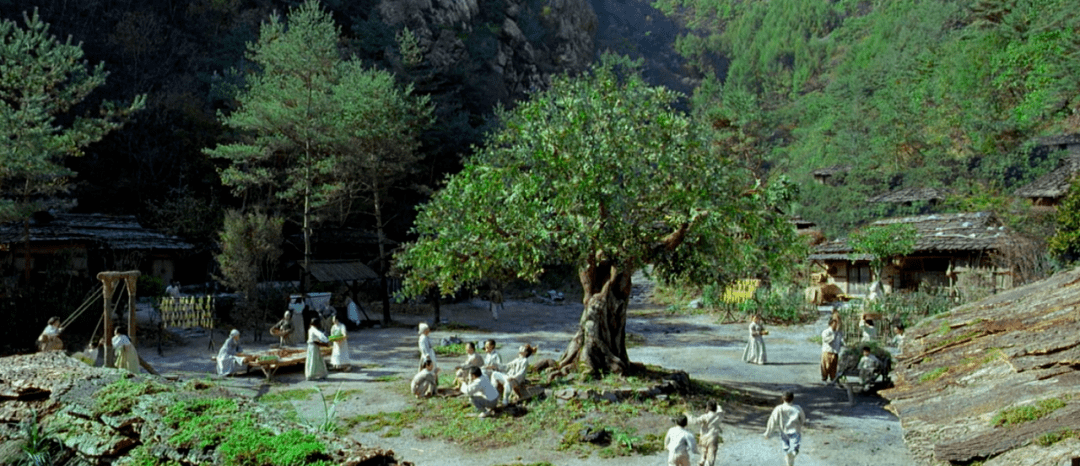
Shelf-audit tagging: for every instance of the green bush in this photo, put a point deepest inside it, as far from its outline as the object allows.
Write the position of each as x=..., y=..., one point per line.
x=121, y=395
x=1027, y=413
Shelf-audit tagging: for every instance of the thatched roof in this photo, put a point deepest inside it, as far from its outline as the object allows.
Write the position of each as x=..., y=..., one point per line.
x=910, y=195
x=118, y=232
x=961, y=369
x=966, y=231
x=1054, y=184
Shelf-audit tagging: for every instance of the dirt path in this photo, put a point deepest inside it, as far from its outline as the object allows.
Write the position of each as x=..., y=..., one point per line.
x=839, y=433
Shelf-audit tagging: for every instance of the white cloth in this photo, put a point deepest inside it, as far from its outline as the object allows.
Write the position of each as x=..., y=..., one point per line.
x=126, y=356
x=492, y=362
x=426, y=351
x=869, y=363
x=755, y=347
x=679, y=442
x=473, y=360
x=869, y=333
x=340, y=356
x=710, y=423
x=423, y=383
x=315, y=366
x=516, y=369
x=227, y=360
x=353, y=311
x=831, y=341
x=786, y=419
x=481, y=392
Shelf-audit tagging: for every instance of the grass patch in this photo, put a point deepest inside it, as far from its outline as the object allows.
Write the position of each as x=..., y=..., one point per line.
x=453, y=349
x=1056, y=436
x=295, y=394
x=240, y=441
x=1021, y=414
x=944, y=328
x=121, y=395
x=816, y=339
x=387, y=378
x=933, y=375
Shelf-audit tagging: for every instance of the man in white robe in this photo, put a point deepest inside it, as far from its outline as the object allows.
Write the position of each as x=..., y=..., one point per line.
x=481, y=392
x=229, y=360
x=679, y=443
x=787, y=419
x=709, y=435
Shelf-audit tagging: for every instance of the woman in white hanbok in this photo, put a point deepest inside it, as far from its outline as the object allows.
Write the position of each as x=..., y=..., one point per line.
x=755, y=348
x=49, y=340
x=229, y=360
x=126, y=356
x=339, y=357
x=315, y=366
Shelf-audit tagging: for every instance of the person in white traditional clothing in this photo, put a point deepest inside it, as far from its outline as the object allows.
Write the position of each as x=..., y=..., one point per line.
x=173, y=290
x=49, y=340
x=315, y=366
x=869, y=332
x=787, y=419
x=340, y=359
x=492, y=360
x=426, y=351
x=755, y=348
x=126, y=356
x=424, y=383
x=898, y=338
x=513, y=379
x=709, y=435
x=284, y=330
x=868, y=366
x=679, y=443
x=481, y=392
x=472, y=359
x=832, y=341
x=229, y=358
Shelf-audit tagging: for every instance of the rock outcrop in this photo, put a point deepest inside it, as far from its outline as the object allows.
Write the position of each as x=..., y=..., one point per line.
x=507, y=47
x=996, y=380
x=96, y=416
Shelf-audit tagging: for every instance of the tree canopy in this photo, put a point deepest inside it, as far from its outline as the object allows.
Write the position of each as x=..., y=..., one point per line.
x=599, y=172
x=42, y=80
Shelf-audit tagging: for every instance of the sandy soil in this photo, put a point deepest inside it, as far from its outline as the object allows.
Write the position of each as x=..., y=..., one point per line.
x=839, y=433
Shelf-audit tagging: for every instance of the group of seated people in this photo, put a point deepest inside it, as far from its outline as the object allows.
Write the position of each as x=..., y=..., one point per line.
x=483, y=378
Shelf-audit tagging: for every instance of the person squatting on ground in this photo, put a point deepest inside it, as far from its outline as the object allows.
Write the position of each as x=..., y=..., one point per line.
x=512, y=381
x=868, y=366
x=679, y=443
x=126, y=356
x=340, y=359
x=755, y=348
x=472, y=359
x=788, y=420
x=832, y=341
x=424, y=384
x=492, y=360
x=315, y=365
x=709, y=434
x=481, y=392
x=229, y=360
x=283, y=329
x=49, y=340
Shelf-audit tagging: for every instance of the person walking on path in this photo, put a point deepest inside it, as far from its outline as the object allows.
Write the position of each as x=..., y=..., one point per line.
x=495, y=301
x=832, y=340
x=679, y=443
x=787, y=419
x=315, y=365
x=755, y=348
x=709, y=435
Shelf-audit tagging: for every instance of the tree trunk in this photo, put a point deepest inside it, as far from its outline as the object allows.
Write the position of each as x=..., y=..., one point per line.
x=434, y=295
x=383, y=292
x=599, y=346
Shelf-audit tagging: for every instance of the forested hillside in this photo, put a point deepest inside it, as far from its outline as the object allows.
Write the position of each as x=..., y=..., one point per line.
x=899, y=93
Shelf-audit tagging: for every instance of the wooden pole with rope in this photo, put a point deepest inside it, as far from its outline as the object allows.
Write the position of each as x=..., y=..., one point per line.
x=108, y=283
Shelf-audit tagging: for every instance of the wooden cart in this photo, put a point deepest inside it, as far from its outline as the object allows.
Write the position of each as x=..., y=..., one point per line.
x=269, y=361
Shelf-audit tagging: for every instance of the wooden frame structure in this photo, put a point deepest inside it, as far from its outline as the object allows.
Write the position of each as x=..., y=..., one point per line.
x=109, y=281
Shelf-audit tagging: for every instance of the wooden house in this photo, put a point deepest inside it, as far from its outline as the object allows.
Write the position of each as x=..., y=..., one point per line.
x=909, y=196
x=949, y=249
x=85, y=244
x=1048, y=190
x=829, y=175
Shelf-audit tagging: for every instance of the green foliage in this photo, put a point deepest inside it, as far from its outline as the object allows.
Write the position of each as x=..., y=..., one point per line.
x=250, y=247
x=453, y=349
x=149, y=285
x=393, y=422
x=1056, y=436
x=907, y=93
x=39, y=448
x=120, y=396
x=1027, y=413
x=296, y=394
x=329, y=422
x=780, y=305
x=597, y=168
x=883, y=243
x=412, y=53
x=41, y=81
x=1066, y=240
x=933, y=375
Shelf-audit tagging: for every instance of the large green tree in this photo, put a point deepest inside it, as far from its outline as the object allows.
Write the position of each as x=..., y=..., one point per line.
x=600, y=172
x=41, y=81
x=317, y=131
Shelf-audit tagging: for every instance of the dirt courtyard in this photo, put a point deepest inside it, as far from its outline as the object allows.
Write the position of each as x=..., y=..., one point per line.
x=838, y=433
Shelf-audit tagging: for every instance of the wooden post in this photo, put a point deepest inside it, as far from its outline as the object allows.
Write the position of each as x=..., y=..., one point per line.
x=131, y=281
x=107, y=291
x=108, y=286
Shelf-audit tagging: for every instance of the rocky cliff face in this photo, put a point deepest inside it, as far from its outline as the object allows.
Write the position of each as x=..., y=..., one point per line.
x=506, y=48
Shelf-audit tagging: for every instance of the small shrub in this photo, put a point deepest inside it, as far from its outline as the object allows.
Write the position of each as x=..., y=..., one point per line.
x=933, y=375
x=121, y=395
x=453, y=349
x=1056, y=436
x=1027, y=413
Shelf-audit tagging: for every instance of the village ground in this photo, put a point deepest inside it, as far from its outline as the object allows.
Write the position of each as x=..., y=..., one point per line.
x=839, y=433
